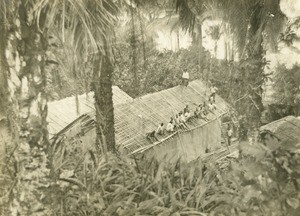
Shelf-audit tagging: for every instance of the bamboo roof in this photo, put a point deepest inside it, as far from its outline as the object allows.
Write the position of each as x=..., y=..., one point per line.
x=133, y=120
x=63, y=112
x=286, y=129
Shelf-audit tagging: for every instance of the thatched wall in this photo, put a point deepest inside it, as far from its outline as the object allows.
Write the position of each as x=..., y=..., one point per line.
x=188, y=145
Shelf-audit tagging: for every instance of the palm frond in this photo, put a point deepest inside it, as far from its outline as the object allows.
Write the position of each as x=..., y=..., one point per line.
x=186, y=16
x=88, y=19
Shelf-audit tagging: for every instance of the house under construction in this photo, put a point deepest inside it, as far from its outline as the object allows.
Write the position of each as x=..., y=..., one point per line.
x=136, y=117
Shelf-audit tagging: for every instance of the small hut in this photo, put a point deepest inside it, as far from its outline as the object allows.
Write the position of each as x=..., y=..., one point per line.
x=280, y=132
x=67, y=120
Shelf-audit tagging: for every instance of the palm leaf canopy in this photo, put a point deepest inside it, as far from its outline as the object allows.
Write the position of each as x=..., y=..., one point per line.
x=86, y=19
x=187, y=15
x=239, y=14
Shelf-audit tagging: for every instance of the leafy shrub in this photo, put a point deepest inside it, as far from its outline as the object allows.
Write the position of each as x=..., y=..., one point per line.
x=260, y=181
x=287, y=88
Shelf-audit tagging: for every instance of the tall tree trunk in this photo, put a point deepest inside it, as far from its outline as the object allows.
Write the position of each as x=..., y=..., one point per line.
x=255, y=53
x=6, y=141
x=178, y=39
x=134, y=53
x=3, y=68
x=4, y=102
x=102, y=87
x=232, y=48
x=24, y=56
x=145, y=61
x=200, y=50
x=216, y=48
x=227, y=54
x=194, y=39
x=143, y=41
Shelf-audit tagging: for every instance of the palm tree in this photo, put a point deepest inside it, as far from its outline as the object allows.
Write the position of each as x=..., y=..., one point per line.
x=22, y=51
x=248, y=21
x=142, y=28
x=26, y=26
x=133, y=45
x=102, y=87
x=91, y=22
x=192, y=14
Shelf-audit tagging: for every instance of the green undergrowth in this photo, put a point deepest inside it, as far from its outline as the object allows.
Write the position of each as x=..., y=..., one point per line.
x=260, y=181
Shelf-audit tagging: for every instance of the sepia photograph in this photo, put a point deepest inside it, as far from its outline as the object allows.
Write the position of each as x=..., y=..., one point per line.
x=149, y=107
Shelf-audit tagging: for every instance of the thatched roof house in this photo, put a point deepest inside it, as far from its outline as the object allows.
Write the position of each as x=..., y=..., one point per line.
x=63, y=112
x=133, y=120
x=142, y=115
x=284, y=130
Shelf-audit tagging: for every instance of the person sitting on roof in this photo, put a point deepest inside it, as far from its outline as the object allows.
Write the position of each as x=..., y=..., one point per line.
x=152, y=137
x=181, y=117
x=187, y=116
x=173, y=121
x=177, y=122
x=205, y=108
x=182, y=120
x=213, y=91
x=160, y=129
x=203, y=115
x=186, y=109
x=170, y=126
x=229, y=134
x=211, y=99
x=185, y=77
x=198, y=111
x=211, y=106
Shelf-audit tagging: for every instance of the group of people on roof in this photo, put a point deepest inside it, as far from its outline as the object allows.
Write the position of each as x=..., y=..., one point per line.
x=180, y=121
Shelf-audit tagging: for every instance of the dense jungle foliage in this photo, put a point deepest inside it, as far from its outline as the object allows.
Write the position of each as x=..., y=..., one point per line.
x=54, y=49
x=258, y=181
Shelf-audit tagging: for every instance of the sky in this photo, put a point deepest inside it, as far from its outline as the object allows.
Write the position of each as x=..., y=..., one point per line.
x=290, y=55
x=291, y=8
x=287, y=56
